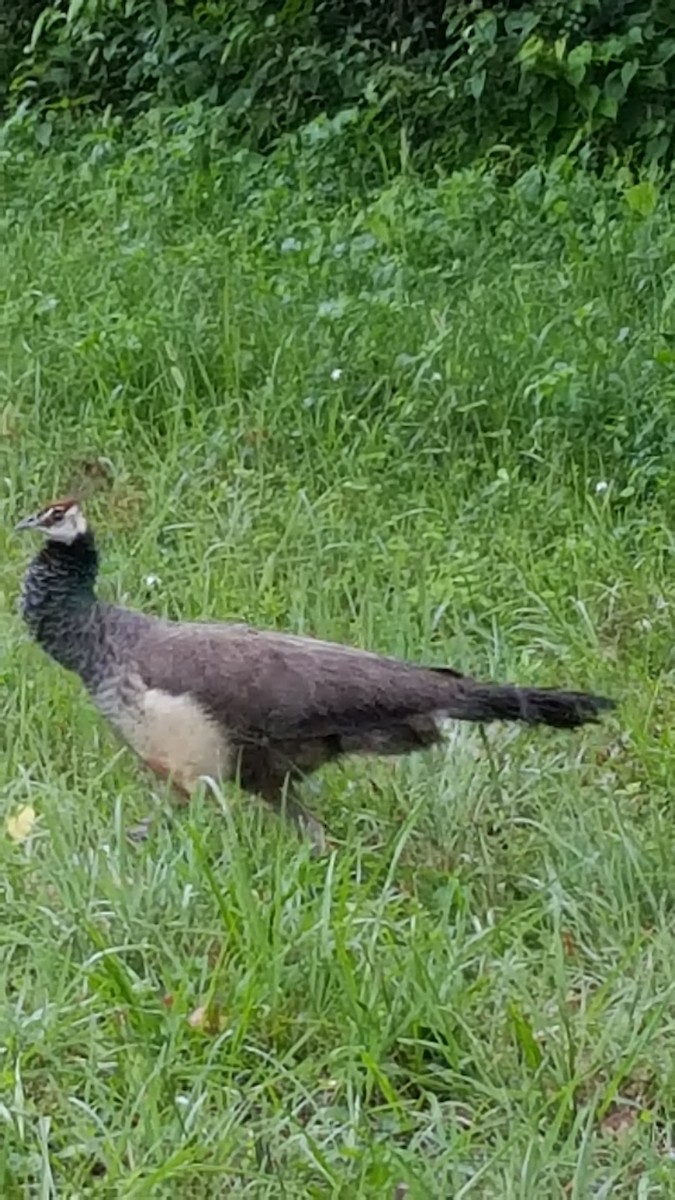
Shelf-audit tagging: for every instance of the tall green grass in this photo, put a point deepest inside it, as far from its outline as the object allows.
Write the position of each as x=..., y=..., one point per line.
x=436, y=421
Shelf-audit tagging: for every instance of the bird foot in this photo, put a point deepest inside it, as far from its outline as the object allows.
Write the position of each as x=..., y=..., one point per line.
x=141, y=832
x=315, y=832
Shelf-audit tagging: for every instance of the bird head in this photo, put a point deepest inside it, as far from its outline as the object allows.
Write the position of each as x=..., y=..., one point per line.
x=60, y=521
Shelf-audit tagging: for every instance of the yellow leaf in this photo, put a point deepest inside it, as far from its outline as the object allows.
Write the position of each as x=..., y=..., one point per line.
x=197, y=1019
x=20, y=826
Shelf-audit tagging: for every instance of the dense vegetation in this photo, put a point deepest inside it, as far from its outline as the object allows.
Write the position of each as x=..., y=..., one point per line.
x=304, y=383
x=432, y=80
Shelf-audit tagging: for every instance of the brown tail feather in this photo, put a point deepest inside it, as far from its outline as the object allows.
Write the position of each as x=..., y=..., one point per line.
x=536, y=706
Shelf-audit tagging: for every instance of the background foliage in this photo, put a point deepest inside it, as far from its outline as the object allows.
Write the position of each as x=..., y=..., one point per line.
x=444, y=78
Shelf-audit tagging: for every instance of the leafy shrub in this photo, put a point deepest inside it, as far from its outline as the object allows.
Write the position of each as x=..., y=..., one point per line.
x=16, y=26
x=453, y=78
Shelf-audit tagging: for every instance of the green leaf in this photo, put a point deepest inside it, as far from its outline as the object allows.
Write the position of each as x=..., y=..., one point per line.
x=74, y=9
x=577, y=61
x=588, y=97
x=614, y=87
x=665, y=50
x=48, y=17
x=524, y=1034
x=628, y=71
x=643, y=197
x=178, y=378
x=43, y=133
x=477, y=83
x=531, y=50
x=608, y=107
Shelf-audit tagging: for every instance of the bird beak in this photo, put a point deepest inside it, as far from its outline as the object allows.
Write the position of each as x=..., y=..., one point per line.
x=27, y=523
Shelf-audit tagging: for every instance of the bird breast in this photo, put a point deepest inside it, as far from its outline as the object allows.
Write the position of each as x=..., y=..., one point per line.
x=173, y=735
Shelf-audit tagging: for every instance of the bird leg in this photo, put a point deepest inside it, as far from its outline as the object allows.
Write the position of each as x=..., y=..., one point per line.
x=141, y=832
x=255, y=775
x=275, y=784
x=278, y=794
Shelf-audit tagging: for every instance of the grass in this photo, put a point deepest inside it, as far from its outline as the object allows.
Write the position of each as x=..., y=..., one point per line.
x=432, y=420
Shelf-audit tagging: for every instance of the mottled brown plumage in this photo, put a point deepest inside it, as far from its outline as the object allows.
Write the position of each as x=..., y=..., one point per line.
x=226, y=701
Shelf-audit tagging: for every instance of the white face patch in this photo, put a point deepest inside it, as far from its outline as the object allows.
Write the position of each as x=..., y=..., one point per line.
x=65, y=528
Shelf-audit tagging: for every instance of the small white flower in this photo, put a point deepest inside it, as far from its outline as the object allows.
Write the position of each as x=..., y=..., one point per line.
x=436, y=377
x=290, y=244
x=152, y=581
x=601, y=486
x=336, y=374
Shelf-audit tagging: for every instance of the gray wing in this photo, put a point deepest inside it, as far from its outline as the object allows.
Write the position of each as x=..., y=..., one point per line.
x=275, y=687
